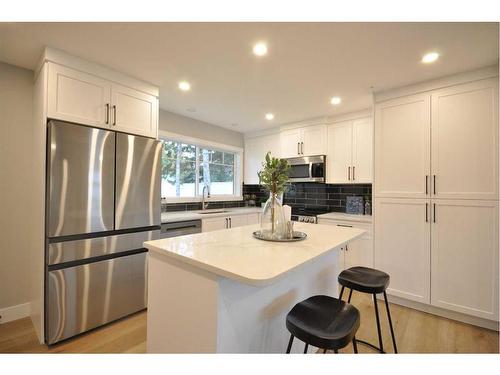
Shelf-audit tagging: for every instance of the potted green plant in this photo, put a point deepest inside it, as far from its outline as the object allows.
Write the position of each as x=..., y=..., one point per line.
x=274, y=178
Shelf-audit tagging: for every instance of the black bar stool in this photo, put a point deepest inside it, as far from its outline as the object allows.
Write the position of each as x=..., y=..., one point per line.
x=324, y=322
x=372, y=281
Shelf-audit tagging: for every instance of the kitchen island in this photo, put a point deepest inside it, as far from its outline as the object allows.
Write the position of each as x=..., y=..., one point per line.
x=227, y=292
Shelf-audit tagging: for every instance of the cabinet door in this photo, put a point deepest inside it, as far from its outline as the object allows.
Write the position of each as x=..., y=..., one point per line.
x=290, y=143
x=362, y=151
x=360, y=251
x=402, y=246
x=255, y=153
x=237, y=221
x=339, y=156
x=314, y=140
x=78, y=97
x=465, y=141
x=215, y=223
x=402, y=147
x=464, y=260
x=134, y=112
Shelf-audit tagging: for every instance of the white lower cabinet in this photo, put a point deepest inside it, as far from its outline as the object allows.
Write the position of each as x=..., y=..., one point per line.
x=227, y=222
x=464, y=257
x=358, y=252
x=402, y=246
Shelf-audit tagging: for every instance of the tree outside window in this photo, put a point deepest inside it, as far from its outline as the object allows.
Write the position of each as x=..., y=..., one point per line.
x=186, y=169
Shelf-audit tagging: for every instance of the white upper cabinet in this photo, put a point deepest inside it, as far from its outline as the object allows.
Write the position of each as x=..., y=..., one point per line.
x=134, y=111
x=291, y=143
x=362, y=150
x=465, y=141
x=87, y=99
x=402, y=246
x=464, y=260
x=402, y=147
x=78, y=97
x=314, y=140
x=349, y=152
x=256, y=149
x=339, y=155
x=305, y=141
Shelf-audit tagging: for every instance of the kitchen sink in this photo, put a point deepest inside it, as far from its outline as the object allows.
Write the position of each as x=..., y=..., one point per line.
x=213, y=211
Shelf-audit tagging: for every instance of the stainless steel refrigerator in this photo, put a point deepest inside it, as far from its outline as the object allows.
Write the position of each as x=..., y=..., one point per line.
x=103, y=202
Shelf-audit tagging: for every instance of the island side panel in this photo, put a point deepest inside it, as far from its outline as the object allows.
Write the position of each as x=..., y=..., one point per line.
x=182, y=307
x=251, y=319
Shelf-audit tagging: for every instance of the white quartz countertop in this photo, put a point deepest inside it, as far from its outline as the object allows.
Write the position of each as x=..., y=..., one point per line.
x=235, y=254
x=346, y=217
x=176, y=216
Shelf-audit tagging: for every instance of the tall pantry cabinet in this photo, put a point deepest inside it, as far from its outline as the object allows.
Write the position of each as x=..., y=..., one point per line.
x=436, y=197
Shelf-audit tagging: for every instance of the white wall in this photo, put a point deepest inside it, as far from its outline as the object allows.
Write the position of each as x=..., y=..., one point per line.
x=16, y=196
x=175, y=123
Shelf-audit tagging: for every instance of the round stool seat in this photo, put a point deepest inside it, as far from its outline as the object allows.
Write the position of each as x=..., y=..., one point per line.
x=364, y=279
x=324, y=322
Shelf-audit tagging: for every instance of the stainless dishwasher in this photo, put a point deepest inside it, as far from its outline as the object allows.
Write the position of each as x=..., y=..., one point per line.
x=180, y=228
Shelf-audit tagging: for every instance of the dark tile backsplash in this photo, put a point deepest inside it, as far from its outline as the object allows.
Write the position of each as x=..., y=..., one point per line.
x=328, y=196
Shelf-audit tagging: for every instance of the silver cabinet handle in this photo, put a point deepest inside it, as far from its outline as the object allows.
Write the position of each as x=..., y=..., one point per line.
x=107, y=113
x=230, y=223
x=426, y=212
x=426, y=184
x=346, y=248
x=434, y=178
x=349, y=173
x=353, y=168
x=434, y=214
x=114, y=115
x=298, y=148
x=226, y=223
x=344, y=225
x=302, y=148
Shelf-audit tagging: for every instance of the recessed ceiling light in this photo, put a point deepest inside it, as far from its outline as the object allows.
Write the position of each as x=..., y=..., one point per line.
x=269, y=116
x=335, y=100
x=184, y=86
x=260, y=49
x=430, y=57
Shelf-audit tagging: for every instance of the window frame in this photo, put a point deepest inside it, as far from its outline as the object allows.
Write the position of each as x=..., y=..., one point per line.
x=203, y=143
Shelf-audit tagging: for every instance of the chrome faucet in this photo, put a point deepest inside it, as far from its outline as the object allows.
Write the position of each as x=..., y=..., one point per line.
x=204, y=204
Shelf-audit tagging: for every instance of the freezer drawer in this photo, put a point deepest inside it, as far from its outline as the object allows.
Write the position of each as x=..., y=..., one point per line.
x=69, y=251
x=84, y=297
x=138, y=180
x=80, y=194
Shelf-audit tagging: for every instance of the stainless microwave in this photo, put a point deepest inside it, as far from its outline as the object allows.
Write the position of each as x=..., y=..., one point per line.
x=307, y=168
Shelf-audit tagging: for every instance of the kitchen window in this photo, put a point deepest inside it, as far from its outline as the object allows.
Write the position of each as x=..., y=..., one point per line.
x=189, y=164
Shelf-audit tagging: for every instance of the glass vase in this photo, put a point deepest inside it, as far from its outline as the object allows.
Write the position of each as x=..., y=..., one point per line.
x=273, y=224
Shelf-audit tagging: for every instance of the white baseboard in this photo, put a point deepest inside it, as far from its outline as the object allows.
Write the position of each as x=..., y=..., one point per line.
x=8, y=314
x=480, y=322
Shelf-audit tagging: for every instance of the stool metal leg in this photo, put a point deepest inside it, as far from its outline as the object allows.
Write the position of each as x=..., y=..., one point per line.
x=336, y=351
x=289, y=344
x=341, y=292
x=324, y=351
x=350, y=295
x=381, y=345
x=390, y=323
x=305, y=348
x=354, y=345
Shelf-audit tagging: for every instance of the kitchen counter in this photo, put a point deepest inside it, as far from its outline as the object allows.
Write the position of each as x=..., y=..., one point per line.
x=227, y=292
x=176, y=216
x=341, y=216
x=237, y=255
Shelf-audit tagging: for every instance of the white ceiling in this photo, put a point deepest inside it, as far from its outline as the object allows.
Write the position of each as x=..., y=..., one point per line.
x=307, y=63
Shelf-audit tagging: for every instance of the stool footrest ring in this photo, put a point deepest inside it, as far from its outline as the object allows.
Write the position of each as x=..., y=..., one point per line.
x=370, y=345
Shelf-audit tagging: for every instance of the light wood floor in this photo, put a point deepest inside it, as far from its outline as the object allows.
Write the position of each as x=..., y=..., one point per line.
x=416, y=332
